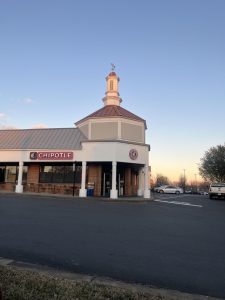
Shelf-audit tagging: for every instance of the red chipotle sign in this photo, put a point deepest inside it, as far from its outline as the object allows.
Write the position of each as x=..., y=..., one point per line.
x=54, y=155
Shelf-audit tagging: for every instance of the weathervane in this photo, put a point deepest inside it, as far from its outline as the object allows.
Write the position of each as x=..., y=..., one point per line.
x=113, y=66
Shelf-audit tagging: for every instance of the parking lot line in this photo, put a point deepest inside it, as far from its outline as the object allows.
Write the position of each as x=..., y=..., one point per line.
x=178, y=203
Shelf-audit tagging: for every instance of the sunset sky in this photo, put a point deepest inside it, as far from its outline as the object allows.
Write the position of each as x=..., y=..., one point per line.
x=169, y=55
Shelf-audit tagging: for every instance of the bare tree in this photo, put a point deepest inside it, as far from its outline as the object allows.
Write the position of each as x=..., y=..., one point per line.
x=161, y=180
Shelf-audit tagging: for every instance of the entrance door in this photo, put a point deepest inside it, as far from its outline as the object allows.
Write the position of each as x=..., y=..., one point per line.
x=107, y=180
x=120, y=180
x=120, y=184
x=107, y=183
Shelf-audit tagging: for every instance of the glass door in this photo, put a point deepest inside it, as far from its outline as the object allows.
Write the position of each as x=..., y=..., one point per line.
x=107, y=182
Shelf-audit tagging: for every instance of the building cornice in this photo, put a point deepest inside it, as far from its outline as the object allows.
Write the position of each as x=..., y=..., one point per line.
x=117, y=141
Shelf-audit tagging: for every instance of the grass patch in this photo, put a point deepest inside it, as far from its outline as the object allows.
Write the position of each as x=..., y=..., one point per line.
x=29, y=285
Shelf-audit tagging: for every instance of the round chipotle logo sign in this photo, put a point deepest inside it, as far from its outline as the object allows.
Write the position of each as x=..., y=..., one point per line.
x=133, y=154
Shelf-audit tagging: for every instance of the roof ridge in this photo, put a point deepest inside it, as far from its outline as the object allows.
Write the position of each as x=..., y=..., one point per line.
x=131, y=113
x=26, y=129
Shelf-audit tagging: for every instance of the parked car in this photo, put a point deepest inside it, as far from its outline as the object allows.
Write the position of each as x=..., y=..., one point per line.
x=188, y=192
x=158, y=188
x=170, y=189
x=202, y=193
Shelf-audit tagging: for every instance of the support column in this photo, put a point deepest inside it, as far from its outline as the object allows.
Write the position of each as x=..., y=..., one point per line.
x=146, y=186
x=114, y=191
x=19, y=186
x=83, y=191
x=140, y=182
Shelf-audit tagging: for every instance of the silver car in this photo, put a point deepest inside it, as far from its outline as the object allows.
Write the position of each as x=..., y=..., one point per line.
x=158, y=188
x=170, y=189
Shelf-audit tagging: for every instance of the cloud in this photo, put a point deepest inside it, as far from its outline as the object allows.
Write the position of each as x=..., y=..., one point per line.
x=3, y=119
x=25, y=100
x=2, y=116
x=28, y=100
x=3, y=122
x=36, y=126
x=2, y=126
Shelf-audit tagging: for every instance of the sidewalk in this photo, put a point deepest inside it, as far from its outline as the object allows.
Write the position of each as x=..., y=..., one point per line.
x=137, y=199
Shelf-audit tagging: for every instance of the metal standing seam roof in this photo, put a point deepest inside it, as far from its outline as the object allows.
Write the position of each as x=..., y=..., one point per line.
x=112, y=111
x=45, y=138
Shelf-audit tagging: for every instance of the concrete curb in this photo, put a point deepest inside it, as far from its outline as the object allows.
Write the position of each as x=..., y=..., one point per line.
x=100, y=199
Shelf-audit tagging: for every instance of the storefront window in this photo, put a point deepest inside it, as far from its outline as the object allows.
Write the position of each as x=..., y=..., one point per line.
x=46, y=174
x=59, y=174
x=10, y=173
x=24, y=179
x=68, y=174
x=78, y=174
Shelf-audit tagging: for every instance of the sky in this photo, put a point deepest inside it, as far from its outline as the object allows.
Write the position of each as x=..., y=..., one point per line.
x=169, y=55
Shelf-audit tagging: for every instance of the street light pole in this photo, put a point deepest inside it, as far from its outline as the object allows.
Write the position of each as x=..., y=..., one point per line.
x=196, y=183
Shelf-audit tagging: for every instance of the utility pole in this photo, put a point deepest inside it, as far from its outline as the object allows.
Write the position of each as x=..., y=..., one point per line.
x=184, y=180
x=74, y=177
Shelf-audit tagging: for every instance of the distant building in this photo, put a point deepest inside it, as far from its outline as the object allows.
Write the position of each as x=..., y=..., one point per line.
x=104, y=155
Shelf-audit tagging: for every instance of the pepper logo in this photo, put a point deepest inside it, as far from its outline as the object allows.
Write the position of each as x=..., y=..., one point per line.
x=33, y=155
x=133, y=154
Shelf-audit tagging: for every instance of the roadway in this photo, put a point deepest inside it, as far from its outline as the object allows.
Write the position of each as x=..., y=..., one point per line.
x=173, y=242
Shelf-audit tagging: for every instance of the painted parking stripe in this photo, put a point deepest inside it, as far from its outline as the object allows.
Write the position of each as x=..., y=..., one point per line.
x=178, y=203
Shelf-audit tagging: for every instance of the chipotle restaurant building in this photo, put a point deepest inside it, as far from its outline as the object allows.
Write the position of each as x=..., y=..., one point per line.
x=103, y=155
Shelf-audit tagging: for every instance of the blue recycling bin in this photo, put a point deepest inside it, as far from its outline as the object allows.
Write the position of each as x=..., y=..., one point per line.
x=90, y=192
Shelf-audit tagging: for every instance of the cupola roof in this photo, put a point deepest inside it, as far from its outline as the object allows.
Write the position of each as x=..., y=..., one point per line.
x=112, y=111
x=112, y=100
x=112, y=74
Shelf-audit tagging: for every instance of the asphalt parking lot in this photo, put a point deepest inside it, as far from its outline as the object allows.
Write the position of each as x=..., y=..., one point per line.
x=174, y=242
x=184, y=199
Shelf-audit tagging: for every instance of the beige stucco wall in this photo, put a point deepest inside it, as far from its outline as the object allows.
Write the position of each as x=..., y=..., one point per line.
x=104, y=130
x=132, y=132
x=84, y=129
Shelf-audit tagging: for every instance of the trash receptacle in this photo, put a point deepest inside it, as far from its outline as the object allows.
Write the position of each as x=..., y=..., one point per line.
x=90, y=189
x=90, y=192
